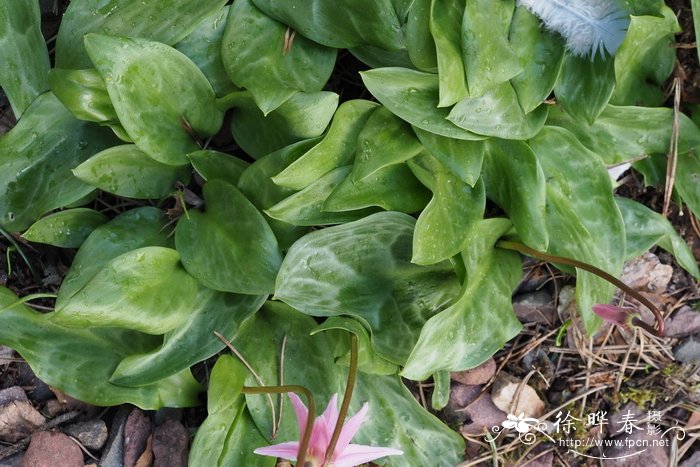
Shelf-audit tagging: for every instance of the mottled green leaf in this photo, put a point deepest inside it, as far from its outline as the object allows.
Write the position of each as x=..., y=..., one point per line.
x=419, y=41
x=23, y=54
x=481, y=320
x=211, y=165
x=65, y=229
x=375, y=57
x=84, y=93
x=37, y=156
x=342, y=24
x=136, y=228
x=258, y=57
x=160, y=96
x=167, y=21
x=192, y=341
x=203, y=47
x=303, y=116
x=645, y=228
x=127, y=171
x=363, y=269
x=584, y=86
x=498, y=113
x=462, y=158
x=514, y=180
x=441, y=390
x=79, y=361
x=145, y=290
x=489, y=58
x=446, y=29
x=540, y=52
x=228, y=247
x=688, y=179
x=441, y=227
x=335, y=150
x=413, y=96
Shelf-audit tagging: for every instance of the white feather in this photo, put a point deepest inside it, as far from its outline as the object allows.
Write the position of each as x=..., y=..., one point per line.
x=589, y=26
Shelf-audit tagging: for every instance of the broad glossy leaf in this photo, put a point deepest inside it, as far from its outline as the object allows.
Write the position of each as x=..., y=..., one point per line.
x=462, y=158
x=413, y=96
x=145, y=290
x=394, y=419
x=65, y=229
x=79, y=361
x=192, y=341
x=645, y=60
x=584, y=86
x=376, y=57
x=514, y=180
x=303, y=116
x=363, y=269
x=583, y=220
x=440, y=229
x=23, y=54
x=645, y=228
x=167, y=21
x=307, y=207
x=84, y=93
x=256, y=57
x=481, y=320
x=688, y=179
x=342, y=24
x=419, y=41
x=127, y=171
x=489, y=59
x=446, y=29
x=228, y=247
x=37, y=156
x=160, y=96
x=335, y=150
x=203, y=47
x=211, y=165
x=624, y=133
x=136, y=228
x=384, y=140
x=540, y=52
x=498, y=113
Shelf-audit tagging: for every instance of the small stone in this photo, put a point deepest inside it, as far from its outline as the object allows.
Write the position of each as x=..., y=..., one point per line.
x=64, y=403
x=653, y=449
x=19, y=419
x=50, y=449
x=688, y=351
x=14, y=460
x=170, y=444
x=460, y=397
x=646, y=273
x=482, y=415
x=684, y=322
x=535, y=307
x=113, y=453
x=15, y=393
x=479, y=375
x=505, y=390
x=692, y=461
x=91, y=434
x=137, y=430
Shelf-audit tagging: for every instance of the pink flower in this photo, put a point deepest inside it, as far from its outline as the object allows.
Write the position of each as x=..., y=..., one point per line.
x=344, y=455
x=615, y=314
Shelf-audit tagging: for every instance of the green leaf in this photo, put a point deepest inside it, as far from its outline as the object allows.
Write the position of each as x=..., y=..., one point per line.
x=583, y=220
x=514, y=181
x=335, y=150
x=127, y=171
x=688, y=179
x=413, y=96
x=160, y=96
x=342, y=24
x=65, y=229
x=167, y=21
x=621, y=134
x=229, y=247
x=455, y=205
x=419, y=41
x=256, y=57
x=441, y=390
x=446, y=29
x=645, y=60
x=203, y=47
x=145, y=290
x=23, y=54
x=37, y=156
x=211, y=165
x=498, y=113
x=376, y=57
x=84, y=93
x=80, y=361
x=192, y=341
x=645, y=228
x=363, y=269
x=584, y=86
x=481, y=320
x=489, y=58
x=135, y=228
x=303, y=116
x=462, y=158
x=540, y=52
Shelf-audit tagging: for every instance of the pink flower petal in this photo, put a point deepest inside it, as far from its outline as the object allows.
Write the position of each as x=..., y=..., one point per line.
x=356, y=454
x=613, y=314
x=287, y=450
x=350, y=430
x=301, y=412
